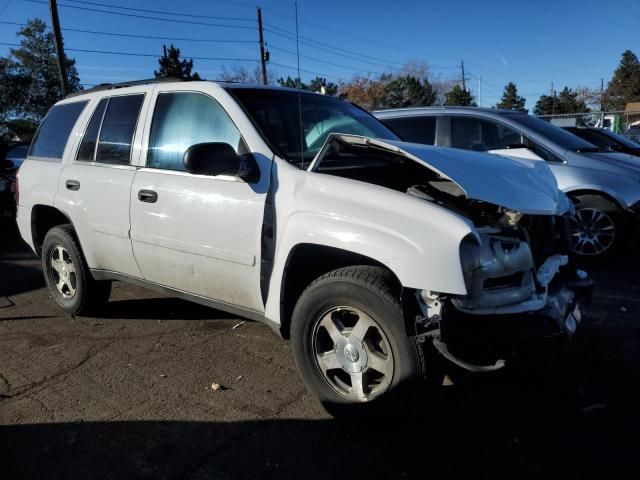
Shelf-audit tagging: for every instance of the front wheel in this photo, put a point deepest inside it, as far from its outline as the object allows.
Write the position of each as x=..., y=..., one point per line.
x=350, y=342
x=597, y=228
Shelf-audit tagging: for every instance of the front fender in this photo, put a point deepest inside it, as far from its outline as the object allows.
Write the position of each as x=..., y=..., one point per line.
x=418, y=241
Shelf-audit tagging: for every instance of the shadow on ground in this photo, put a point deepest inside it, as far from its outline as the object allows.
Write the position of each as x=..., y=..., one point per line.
x=505, y=431
x=158, y=309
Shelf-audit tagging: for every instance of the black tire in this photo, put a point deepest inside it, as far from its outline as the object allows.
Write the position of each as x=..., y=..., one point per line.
x=371, y=292
x=81, y=293
x=590, y=236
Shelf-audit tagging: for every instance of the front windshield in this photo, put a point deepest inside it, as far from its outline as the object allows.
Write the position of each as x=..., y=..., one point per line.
x=279, y=114
x=551, y=132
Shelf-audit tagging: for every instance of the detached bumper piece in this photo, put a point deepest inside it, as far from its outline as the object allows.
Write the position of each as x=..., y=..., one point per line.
x=481, y=343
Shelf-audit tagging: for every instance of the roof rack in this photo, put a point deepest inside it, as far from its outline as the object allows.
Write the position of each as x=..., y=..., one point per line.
x=113, y=86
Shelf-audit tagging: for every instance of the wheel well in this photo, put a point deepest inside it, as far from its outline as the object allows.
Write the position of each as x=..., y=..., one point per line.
x=596, y=193
x=43, y=219
x=305, y=263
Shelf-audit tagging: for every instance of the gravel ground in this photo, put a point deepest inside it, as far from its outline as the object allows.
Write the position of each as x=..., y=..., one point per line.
x=128, y=395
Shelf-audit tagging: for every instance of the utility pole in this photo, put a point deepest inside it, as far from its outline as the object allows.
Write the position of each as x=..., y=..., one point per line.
x=479, y=90
x=264, y=54
x=553, y=94
x=57, y=39
x=464, y=85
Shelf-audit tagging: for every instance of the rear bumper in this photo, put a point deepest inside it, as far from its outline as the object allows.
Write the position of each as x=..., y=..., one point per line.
x=481, y=339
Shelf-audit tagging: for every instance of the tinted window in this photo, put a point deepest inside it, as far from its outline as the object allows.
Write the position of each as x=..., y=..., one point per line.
x=297, y=124
x=88, y=146
x=52, y=136
x=184, y=119
x=118, y=127
x=414, y=129
x=481, y=135
x=550, y=132
x=542, y=152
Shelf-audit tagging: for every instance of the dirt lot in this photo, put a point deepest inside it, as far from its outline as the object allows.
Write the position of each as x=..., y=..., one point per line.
x=128, y=395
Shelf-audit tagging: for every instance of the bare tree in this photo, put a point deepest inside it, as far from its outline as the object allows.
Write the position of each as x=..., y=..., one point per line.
x=242, y=74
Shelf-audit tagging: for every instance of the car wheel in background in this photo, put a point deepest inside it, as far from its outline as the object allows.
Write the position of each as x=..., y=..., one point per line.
x=597, y=228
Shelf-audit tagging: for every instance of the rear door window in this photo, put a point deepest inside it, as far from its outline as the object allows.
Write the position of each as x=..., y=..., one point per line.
x=89, y=143
x=51, y=138
x=118, y=126
x=481, y=135
x=414, y=129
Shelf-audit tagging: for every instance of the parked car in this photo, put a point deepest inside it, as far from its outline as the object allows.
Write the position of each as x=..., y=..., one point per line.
x=305, y=212
x=606, y=139
x=11, y=157
x=604, y=186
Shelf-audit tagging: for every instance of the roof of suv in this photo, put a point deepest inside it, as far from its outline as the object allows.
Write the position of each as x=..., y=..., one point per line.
x=116, y=86
x=443, y=108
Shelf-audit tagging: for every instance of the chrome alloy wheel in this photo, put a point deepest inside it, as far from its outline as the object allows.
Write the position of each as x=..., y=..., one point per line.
x=353, y=353
x=592, y=231
x=63, y=271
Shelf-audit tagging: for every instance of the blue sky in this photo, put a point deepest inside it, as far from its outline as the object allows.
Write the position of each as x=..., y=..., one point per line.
x=532, y=43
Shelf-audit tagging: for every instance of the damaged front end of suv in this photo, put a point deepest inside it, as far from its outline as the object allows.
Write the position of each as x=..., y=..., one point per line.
x=521, y=283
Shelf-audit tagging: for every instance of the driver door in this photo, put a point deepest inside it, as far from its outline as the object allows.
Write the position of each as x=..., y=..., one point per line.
x=198, y=234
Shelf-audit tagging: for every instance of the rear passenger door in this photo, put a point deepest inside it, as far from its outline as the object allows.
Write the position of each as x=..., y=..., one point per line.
x=95, y=185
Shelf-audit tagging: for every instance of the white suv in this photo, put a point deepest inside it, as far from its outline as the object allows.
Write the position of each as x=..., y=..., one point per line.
x=302, y=211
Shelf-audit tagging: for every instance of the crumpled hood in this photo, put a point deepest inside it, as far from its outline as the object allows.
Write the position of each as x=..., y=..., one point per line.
x=526, y=186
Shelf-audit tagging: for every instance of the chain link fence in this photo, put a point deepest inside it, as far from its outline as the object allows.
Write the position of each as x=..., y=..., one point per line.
x=622, y=122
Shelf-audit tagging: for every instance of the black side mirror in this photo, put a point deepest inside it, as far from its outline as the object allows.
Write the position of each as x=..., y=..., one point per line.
x=216, y=158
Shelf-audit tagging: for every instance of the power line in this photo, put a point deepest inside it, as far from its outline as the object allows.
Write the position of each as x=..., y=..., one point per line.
x=130, y=35
x=162, y=12
x=146, y=17
x=132, y=54
x=151, y=37
x=278, y=49
x=292, y=36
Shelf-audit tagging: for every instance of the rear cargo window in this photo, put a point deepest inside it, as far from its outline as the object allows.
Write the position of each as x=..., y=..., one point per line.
x=52, y=136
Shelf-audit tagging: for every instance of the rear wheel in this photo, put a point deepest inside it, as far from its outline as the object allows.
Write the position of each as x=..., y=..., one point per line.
x=71, y=285
x=350, y=343
x=597, y=228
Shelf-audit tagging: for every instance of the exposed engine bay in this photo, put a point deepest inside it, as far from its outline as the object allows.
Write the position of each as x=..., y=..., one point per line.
x=514, y=263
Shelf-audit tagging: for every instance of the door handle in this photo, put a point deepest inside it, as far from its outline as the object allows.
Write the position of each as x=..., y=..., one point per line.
x=148, y=196
x=72, y=185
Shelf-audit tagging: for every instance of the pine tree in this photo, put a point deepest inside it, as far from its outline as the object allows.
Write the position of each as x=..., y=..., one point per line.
x=30, y=75
x=567, y=101
x=172, y=67
x=459, y=96
x=320, y=84
x=408, y=91
x=292, y=83
x=511, y=100
x=624, y=86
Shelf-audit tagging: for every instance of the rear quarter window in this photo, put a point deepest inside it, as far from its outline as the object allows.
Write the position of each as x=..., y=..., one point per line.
x=52, y=136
